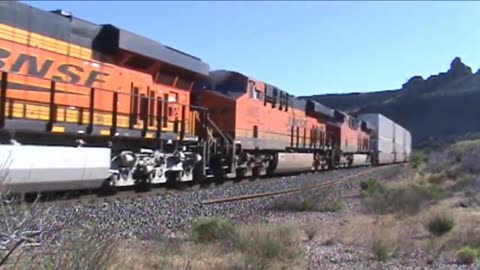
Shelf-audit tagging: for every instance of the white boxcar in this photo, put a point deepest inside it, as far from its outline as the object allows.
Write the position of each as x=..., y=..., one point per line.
x=31, y=168
x=399, y=144
x=408, y=144
x=382, y=140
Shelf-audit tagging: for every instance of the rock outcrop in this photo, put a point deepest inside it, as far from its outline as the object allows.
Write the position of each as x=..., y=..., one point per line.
x=445, y=104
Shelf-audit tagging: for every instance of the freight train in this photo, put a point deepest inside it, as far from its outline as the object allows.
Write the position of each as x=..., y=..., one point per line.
x=89, y=106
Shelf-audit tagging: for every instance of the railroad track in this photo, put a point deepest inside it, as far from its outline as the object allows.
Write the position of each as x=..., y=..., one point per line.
x=162, y=190
x=292, y=190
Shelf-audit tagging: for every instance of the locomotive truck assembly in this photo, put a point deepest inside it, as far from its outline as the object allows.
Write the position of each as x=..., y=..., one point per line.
x=89, y=106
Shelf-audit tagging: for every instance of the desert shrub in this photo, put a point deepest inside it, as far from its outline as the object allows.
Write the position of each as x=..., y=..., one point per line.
x=407, y=198
x=418, y=158
x=467, y=255
x=298, y=203
x=265, y=245
x=332, y=205
x=371, y=187
x=311, y=231
x=468, y=183
x=329, y=242
x=440, y=224
x=463, y=146
x=470, y=160
x=380, y=249
x=439, y=161
x=209, y=230
x=320, y=201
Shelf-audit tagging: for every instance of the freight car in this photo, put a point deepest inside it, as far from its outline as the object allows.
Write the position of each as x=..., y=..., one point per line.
x=390, y=142
x=88, y=106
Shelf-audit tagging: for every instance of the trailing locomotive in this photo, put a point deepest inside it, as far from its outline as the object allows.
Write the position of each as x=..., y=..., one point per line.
x=88, y=106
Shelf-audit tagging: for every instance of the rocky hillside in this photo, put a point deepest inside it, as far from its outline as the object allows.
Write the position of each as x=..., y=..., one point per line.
x=441, y=106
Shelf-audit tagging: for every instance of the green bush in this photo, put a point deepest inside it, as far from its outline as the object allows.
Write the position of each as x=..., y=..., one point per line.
x=371, y=187
x=407, y=199
x=208, y=230
x=380, y=249
x=440, y=224
x=467, y=255
x=331, y=205
x=418, y=158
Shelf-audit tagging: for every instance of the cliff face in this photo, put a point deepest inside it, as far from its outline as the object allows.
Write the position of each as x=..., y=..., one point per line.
x=443, y=105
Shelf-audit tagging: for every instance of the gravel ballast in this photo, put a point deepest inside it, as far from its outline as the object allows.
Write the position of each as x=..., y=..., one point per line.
x=166, y=214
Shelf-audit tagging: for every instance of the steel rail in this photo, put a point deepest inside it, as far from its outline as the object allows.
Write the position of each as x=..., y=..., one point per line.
x=290, y=190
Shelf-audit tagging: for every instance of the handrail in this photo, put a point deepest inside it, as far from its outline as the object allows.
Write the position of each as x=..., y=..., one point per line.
x=90, y=94
x=225, y=136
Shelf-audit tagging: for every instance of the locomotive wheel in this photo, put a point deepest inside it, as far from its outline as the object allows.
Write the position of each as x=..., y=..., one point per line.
x=145, y=184
x=240, y=174
x=30, y=197
x=198, y=175
x=256, y=173
x=173, y=178
x=108, y=187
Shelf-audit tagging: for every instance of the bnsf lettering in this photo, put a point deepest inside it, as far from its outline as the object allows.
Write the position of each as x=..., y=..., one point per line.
x=32, y=66
x=3, y=55
x=72, y=76
x=67, y=73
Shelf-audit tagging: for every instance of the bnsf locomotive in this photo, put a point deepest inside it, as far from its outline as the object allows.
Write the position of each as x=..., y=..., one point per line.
x=88, y=106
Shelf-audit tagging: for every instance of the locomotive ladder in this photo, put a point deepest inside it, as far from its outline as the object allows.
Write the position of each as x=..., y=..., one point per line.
x=210, y=134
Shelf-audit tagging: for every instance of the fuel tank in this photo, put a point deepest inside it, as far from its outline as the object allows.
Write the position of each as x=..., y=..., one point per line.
x=294, y=162
x=359, y=160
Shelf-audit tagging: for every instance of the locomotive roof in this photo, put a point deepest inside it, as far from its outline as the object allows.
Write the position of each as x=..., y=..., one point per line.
x=102, y=38
x=319, y=108
x=113, y=37
x=221, y=74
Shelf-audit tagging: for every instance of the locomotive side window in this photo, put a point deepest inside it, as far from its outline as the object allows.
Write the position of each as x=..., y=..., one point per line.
x=256, y=94
x=173, y=97
x=251, y=89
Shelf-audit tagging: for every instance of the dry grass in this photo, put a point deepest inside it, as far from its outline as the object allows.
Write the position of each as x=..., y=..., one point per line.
x=257, y=246
x=387, y=235
x=363, y=230
x=311, y=230
x=173, y=254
